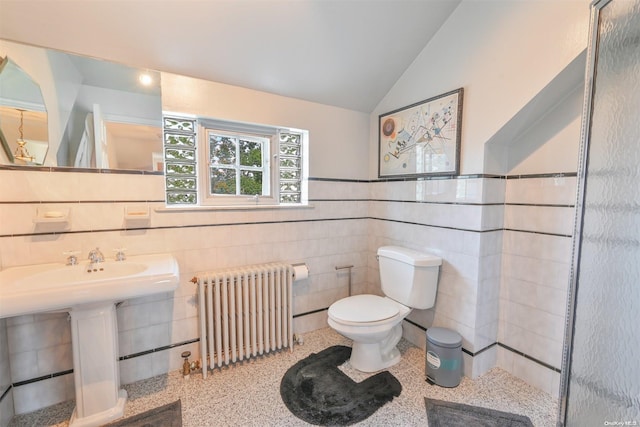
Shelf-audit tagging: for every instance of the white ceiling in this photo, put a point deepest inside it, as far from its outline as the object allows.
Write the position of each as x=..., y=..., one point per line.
x=346, y=53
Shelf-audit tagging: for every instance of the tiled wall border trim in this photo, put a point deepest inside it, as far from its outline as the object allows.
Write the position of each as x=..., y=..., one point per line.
x=429, y=202
x=42, y=378
x=154, y=350
x=363, y=181
x=42, y=202
x=526, y=356
x=482, y=350
x=74, y=202
x=417, y=178
x=121, y=358
x=436, y=226
x=129, y=356
x=310, y=312
x=441, y=177
x=169, y=227
x=6, y=392
x=544, y=205
x=81, y=170
x=537, y=232
x=543, y=175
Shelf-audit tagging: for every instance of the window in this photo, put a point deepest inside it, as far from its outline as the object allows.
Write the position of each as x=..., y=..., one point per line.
x=237, y=165
x=211, y=162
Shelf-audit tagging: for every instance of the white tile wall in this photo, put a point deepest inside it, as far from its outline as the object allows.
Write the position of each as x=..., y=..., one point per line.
x=543, y=219
x=533, y=373
x=536, y=257
x=6, y=409
x=453, y=222
x=30, y=397
x=544, y=191
x=459, y=220
x=323, y=236
x=6, y=404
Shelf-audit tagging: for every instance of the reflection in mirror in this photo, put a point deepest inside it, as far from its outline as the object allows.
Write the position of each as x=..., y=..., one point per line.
x=96, y=114
x=23, y=118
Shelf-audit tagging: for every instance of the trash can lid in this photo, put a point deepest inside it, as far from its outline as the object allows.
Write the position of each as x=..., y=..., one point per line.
x=444, y=337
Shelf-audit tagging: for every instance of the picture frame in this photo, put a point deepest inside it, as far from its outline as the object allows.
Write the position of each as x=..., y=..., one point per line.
x=422, y=139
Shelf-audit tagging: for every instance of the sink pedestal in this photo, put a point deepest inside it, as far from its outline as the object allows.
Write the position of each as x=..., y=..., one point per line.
x=94, y=337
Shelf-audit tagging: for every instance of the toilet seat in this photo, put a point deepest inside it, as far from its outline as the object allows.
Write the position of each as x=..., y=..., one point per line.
x=360, y=309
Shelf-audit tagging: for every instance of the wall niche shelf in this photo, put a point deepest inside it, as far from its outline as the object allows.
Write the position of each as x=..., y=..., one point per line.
x=51, y=216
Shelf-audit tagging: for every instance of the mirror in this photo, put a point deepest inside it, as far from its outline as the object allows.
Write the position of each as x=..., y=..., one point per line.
x=77, y=111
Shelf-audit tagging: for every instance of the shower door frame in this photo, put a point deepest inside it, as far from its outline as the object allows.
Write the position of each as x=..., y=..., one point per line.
x=585, y=134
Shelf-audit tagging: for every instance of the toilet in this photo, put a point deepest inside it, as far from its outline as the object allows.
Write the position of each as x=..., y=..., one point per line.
x=409, y=280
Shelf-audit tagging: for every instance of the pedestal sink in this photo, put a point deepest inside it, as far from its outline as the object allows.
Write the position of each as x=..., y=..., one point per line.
x=89, y=293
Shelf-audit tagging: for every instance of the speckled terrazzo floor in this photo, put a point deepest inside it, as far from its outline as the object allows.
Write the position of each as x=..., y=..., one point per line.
x=248, y=393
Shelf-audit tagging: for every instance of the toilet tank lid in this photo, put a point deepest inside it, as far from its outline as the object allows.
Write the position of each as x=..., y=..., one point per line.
x=409, y=256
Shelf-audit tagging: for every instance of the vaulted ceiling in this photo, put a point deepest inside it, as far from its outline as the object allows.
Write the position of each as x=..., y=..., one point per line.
x=345, y=53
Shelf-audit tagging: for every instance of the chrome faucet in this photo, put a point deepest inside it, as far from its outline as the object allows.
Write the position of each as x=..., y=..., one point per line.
x=96, y=256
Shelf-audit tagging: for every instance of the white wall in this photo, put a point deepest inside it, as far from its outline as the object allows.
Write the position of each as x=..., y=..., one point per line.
x=502, y=53
x=339, y=136
x=6, y=404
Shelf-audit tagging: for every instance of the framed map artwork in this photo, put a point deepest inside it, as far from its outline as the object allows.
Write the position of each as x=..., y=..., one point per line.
x=422, y=139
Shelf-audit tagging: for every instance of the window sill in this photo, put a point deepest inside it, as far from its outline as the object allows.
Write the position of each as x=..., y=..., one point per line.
x=229, y=208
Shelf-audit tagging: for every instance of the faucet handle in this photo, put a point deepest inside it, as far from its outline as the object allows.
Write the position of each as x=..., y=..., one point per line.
x=72, y=257
x=120, y=255
x=95, y=255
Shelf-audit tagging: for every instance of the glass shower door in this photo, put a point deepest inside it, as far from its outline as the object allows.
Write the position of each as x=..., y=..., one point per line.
x=602, y=362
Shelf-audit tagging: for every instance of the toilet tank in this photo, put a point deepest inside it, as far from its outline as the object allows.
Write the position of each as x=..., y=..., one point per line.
x=408, y=276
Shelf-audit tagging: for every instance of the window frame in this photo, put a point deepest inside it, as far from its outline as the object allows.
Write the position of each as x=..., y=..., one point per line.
x=204, y=164
x=276, y=179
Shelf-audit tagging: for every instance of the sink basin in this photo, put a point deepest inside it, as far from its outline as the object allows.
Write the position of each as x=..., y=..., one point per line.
x=46, y=287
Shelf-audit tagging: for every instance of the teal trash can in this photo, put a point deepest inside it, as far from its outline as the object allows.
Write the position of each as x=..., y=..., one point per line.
x=444, y=357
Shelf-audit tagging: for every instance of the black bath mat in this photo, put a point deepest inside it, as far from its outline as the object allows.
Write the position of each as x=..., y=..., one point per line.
x=316, y=391
x=169, y=415
x=449, y=414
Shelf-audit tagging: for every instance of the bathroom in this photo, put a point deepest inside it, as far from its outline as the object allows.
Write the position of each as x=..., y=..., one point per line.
x=503, y=227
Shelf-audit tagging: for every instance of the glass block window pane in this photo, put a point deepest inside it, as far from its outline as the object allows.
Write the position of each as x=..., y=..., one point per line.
x=180, y=161
x=286, y=162
x=180, y=155
x=289, y=174
x=180, y=169
x=180, y=124
x=289, y=187
x=290, y=198
x=290, y=150
x=290, y=167
x=179, y=140
x=186, y=198
x=174, y=183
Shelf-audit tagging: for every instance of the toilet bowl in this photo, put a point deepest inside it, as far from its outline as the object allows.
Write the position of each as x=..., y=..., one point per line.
x=374, y=323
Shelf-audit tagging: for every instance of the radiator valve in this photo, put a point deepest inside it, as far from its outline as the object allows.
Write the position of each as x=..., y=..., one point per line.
x=186, y=366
